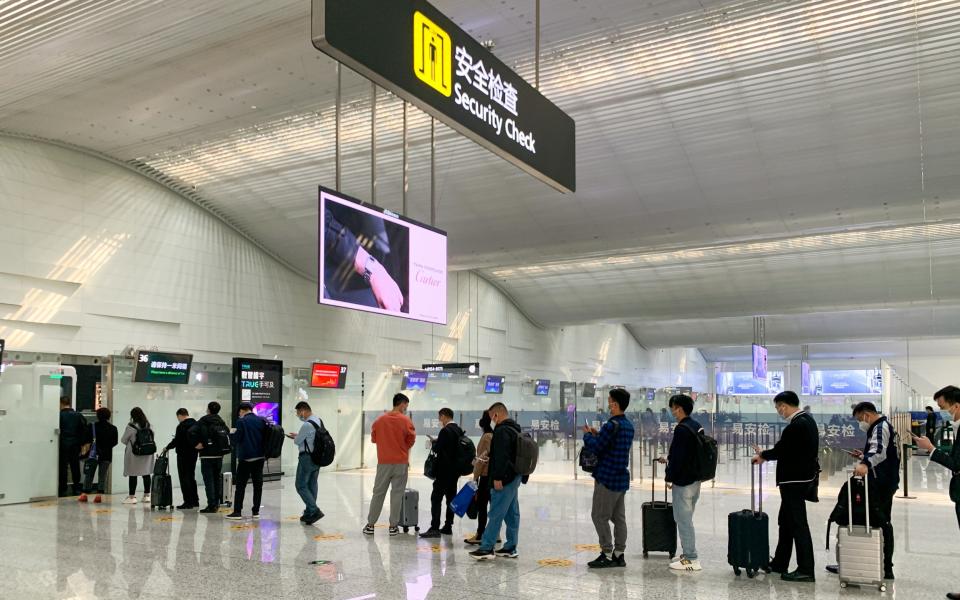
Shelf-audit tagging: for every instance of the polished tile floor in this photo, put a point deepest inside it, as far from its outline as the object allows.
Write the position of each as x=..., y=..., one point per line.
x=68, y=550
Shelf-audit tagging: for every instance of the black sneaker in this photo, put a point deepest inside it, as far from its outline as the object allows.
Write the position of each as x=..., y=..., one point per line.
x=619, y=561
x=393, y=531
x=798, y=577
x=368, y=530
x=234, y=516
x=835, y=569
x=430, y=533
x=505, y=553
x=601, y=562
x=480, y=554
x=209, y=510
x=314, y=518
x=446, y=531
x=256, y=514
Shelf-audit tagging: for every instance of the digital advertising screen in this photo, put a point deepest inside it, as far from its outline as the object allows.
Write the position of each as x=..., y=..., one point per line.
x=414, y=380
x=651, y=395
x=589, y=390
x=259, y=382
x=373, y=260
x=742, y=383
x=162, y=367
x=493, y=385
x=846, y=382
x=805, y=388
x=759, y=362
x=541, y=387
x=328, y=375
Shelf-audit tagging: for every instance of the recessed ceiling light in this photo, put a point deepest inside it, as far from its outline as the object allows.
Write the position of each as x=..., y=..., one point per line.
x=254, y=107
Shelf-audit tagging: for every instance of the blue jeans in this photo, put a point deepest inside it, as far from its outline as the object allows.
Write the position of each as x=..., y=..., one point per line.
x=684, y=502
x=307, y=473
x=504, y=507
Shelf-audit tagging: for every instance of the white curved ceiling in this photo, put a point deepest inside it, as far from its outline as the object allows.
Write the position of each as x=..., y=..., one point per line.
x=704, y=129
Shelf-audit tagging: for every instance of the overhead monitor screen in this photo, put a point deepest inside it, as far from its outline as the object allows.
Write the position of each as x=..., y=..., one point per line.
x=494, y=384
x=541, y=387
x=759, y=363
x=844, y=382
x=374, y=260
x=328, y=375
x=414, y=380
x=162, y=367
x=742, y=383
x=589, y=390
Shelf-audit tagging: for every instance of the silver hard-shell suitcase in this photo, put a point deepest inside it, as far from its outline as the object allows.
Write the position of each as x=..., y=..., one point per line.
x=860, y=549
x=410, y=510
x=227, y=496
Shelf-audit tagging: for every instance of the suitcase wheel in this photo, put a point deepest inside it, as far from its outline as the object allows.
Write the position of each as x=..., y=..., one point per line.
x=843, y=585
x=736, y=571
x=417, y=528
x=751, y=573
x=671, y=556
x=645, y=555
x=406, y=530
x=883, y=587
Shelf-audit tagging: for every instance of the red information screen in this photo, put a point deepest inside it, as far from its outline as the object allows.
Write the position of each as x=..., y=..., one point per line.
x=328, y=375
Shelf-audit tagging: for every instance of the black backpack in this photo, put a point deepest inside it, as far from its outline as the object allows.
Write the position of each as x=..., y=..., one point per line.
x=324, y=449
x=143, y=443
x=466, y=453
x=703, y=463
x=273, y=437
x=218, y=438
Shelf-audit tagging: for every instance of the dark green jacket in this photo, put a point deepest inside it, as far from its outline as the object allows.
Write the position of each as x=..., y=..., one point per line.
x=952, y=462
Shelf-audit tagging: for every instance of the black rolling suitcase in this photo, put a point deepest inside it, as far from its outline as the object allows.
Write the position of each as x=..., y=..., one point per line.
x=161, y=486
x=748, y=546
x=659, y=528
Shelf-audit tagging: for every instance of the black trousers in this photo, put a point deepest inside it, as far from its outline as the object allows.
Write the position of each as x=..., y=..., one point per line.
x=69, y=457
x=483, y=504
x=442, y=487
x=957, y=506
x=884, y=502
x=102, y=469
x=212, y=471
x=794, y=529
x=187, y=472
x=132, y=485
x=247, y=471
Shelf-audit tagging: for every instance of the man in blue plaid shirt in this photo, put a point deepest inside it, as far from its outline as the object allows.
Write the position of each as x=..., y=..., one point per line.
x=611, y=480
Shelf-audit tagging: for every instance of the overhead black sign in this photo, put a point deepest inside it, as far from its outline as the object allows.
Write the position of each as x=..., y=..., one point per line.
x=412, y=49
x=457, y=368
x=162, y=367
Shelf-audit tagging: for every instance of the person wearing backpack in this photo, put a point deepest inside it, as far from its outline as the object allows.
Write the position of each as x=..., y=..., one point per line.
x=307, y=468
x=182, y=442
x=247, y=438
x=446, y=448
x=504, y=499
x=611, y=480
x=211, y=437
x=681, y=473
x=138, y=455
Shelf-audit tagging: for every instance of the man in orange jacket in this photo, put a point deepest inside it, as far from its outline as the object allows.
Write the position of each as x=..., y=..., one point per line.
x=394, y=435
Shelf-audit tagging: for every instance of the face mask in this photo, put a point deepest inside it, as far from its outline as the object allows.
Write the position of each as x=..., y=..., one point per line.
x=864, y=426
x=301, y=417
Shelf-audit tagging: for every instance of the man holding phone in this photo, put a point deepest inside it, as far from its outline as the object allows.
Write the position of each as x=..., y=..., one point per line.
x=949, y=400
x=880, y=465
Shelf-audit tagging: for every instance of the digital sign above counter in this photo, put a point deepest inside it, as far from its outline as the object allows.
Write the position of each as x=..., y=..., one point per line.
x=541, y=387
x=259, y=382
x=329, y=376
x=414, y=381
x=744, y=384
x=162, y=367
x=493, y=385
x=413, y=50
x=373, y=260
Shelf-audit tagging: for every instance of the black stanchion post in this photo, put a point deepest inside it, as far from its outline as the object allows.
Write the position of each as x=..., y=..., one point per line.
x=905, y=455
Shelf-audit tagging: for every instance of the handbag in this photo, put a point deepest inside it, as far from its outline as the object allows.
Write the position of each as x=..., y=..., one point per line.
x=430, y=466
x=474, y=509
x=466, y=495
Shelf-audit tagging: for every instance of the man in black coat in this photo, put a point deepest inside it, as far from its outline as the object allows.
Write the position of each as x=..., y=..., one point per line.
x=949, y=400
x=797, y=477
x=445, y=485
x=185, y=445
x=75, y=432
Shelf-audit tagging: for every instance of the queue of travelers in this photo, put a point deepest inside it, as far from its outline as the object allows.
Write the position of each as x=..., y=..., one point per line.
x=496, y=476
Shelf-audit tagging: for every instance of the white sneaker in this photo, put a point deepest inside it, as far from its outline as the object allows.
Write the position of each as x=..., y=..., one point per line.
x=146, y=498
x=129, y=500
x=685, y=564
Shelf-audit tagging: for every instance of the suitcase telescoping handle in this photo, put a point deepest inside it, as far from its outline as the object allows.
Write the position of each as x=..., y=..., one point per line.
x=866, y=502
x=754, y=487
x=653, y=483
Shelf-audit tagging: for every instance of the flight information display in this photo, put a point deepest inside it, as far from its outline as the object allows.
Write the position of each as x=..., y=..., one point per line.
x=162, y=367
